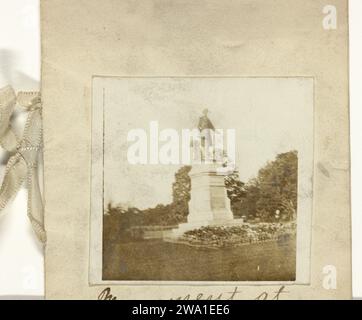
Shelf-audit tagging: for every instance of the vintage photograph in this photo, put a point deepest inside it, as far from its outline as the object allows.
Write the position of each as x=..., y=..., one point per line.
x=201, y=179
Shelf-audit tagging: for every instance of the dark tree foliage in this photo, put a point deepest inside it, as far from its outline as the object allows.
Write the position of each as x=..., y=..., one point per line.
x=235, y=192
x=272, y=195
x=181, y=190
x=118, y=221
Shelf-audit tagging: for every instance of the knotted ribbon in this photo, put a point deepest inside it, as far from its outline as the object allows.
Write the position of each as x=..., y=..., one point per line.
x=22, y=165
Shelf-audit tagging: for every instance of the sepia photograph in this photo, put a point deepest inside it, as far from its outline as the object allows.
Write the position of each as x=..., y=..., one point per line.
x=198, y=179
x=180, y=151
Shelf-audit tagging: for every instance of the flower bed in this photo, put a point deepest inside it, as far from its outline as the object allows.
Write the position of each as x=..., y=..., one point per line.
x=223, y=236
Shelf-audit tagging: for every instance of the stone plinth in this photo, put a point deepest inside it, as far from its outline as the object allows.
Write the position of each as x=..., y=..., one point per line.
x=209, y=204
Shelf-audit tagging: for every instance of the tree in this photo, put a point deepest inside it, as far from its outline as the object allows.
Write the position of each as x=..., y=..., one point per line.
x=181, y=194
x=273, y=194
x=235, y=191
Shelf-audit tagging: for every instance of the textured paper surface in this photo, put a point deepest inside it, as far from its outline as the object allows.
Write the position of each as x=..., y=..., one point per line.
x=82, y=39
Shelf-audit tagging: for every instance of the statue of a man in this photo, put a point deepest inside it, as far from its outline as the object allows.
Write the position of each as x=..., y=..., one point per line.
x=207, y=140
x=204, y=121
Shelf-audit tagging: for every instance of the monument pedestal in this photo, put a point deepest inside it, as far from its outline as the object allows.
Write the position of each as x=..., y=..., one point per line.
x=209, y=204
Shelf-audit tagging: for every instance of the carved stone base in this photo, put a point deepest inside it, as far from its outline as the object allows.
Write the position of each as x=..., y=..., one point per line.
x=209, y=204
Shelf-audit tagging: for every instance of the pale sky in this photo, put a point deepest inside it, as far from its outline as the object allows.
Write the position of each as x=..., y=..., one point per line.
x=270, y=116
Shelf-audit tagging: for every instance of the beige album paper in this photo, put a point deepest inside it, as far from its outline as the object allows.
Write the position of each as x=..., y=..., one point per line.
x=196, y=149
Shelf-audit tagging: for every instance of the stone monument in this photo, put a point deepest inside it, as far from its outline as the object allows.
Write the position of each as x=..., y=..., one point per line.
x=209, y=204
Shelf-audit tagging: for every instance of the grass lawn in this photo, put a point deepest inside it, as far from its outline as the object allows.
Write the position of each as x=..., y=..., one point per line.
x=159, y=260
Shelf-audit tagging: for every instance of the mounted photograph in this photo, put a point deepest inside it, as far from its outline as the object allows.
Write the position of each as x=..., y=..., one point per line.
x=201, y=179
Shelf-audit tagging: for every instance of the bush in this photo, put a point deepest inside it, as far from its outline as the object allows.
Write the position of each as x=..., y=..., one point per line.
x=236, y=235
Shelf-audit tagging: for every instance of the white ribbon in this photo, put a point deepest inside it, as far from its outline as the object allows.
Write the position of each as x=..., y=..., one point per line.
x=22, y=164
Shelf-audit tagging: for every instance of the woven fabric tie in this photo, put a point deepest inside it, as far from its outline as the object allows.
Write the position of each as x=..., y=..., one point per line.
x=22, y=164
